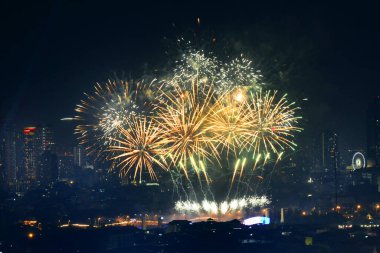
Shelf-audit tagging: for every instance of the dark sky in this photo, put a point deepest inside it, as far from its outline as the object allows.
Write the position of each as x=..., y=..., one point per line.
x=53, y=51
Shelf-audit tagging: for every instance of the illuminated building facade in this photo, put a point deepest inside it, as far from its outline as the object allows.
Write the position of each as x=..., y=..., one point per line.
x=329, y=165
x=10, y=156
x=330, y=154
x=47, y=138
x=40, y=162
x=79, y=156
x=31, y=152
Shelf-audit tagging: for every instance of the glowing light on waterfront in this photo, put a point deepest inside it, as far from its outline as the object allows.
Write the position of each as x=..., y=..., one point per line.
x=212, y=207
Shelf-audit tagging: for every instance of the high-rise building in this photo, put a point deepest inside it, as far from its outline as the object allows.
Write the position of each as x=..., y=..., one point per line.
x=10, y=156
x=47, y=138
x=79, y=156
x=47, y=167
x=65, y=166
x=330, y=162
x=3, y=182
x=40, y=162
x=373, y=130
x=31, y=149
x=330, y=154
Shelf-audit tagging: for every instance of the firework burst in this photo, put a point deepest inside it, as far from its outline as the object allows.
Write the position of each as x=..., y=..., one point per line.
x=183, y=119
x=109, y=107
x=273, y=122
x=207, y=119
x=139, y=146
x=209, y=70
x=227, y=206
x=229, y=123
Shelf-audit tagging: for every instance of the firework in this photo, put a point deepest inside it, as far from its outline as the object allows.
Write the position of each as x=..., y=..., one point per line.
x=273, y=122
x=239, y=72
x=109, y=107
x=207, y=119
x=183, y=120
x=139, y=146
x=207, y=70
x=227, y=206
x=229, y=122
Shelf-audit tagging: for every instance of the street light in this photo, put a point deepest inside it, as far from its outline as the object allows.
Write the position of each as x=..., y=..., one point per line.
x=30, y=235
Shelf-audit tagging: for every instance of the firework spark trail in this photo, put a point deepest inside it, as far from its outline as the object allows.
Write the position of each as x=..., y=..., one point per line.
x=228, y=123
x=209, y=70
x=139, y=146
x=273, y=123
x=204, y=116
x=212, y=207
x=192, y=127
x=184, y=122
x=109, y=107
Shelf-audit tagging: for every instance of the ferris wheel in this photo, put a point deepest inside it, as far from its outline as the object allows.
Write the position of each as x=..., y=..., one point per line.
x=358, y=161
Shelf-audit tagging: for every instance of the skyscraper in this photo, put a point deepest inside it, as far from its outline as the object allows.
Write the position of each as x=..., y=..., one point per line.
x=31, y=152
x=79, y=156
x=47, y=138
x=40, y=162
x=3, y=182
x=65, y=166
x=10, y=155
x=330, y=154
x=330, y=161
x=47, y=167
x=373, y=130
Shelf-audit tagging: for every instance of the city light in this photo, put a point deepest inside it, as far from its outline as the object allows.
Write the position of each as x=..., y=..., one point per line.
x=190, y=127
x=256, y=220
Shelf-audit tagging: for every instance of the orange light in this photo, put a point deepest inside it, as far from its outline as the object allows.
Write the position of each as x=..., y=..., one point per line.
x=30, y=235
x=338, y=207
x=30, y=222
x=304, y=213
x=358, y=206
x=29, y=130
x=377, y=206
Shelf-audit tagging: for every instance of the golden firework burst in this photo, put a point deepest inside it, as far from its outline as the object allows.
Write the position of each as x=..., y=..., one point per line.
x=183, y=120
x=140, y=146
x=273, y=120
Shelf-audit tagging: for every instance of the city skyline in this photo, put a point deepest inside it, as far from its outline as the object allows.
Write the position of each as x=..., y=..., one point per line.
x=189, y=126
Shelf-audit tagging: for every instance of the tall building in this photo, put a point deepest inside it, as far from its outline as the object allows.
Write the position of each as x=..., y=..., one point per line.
x=40, y=161
x=373, y=130
x=48, y=167
x=79, y=156
x=47, y=138
x=31, y=152
x=330, y=154
x=330, y=163
x=65, y=166
x=3, y=182
x=10, y=156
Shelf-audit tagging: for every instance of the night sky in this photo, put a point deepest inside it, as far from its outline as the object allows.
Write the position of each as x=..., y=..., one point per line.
x=53, y=51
